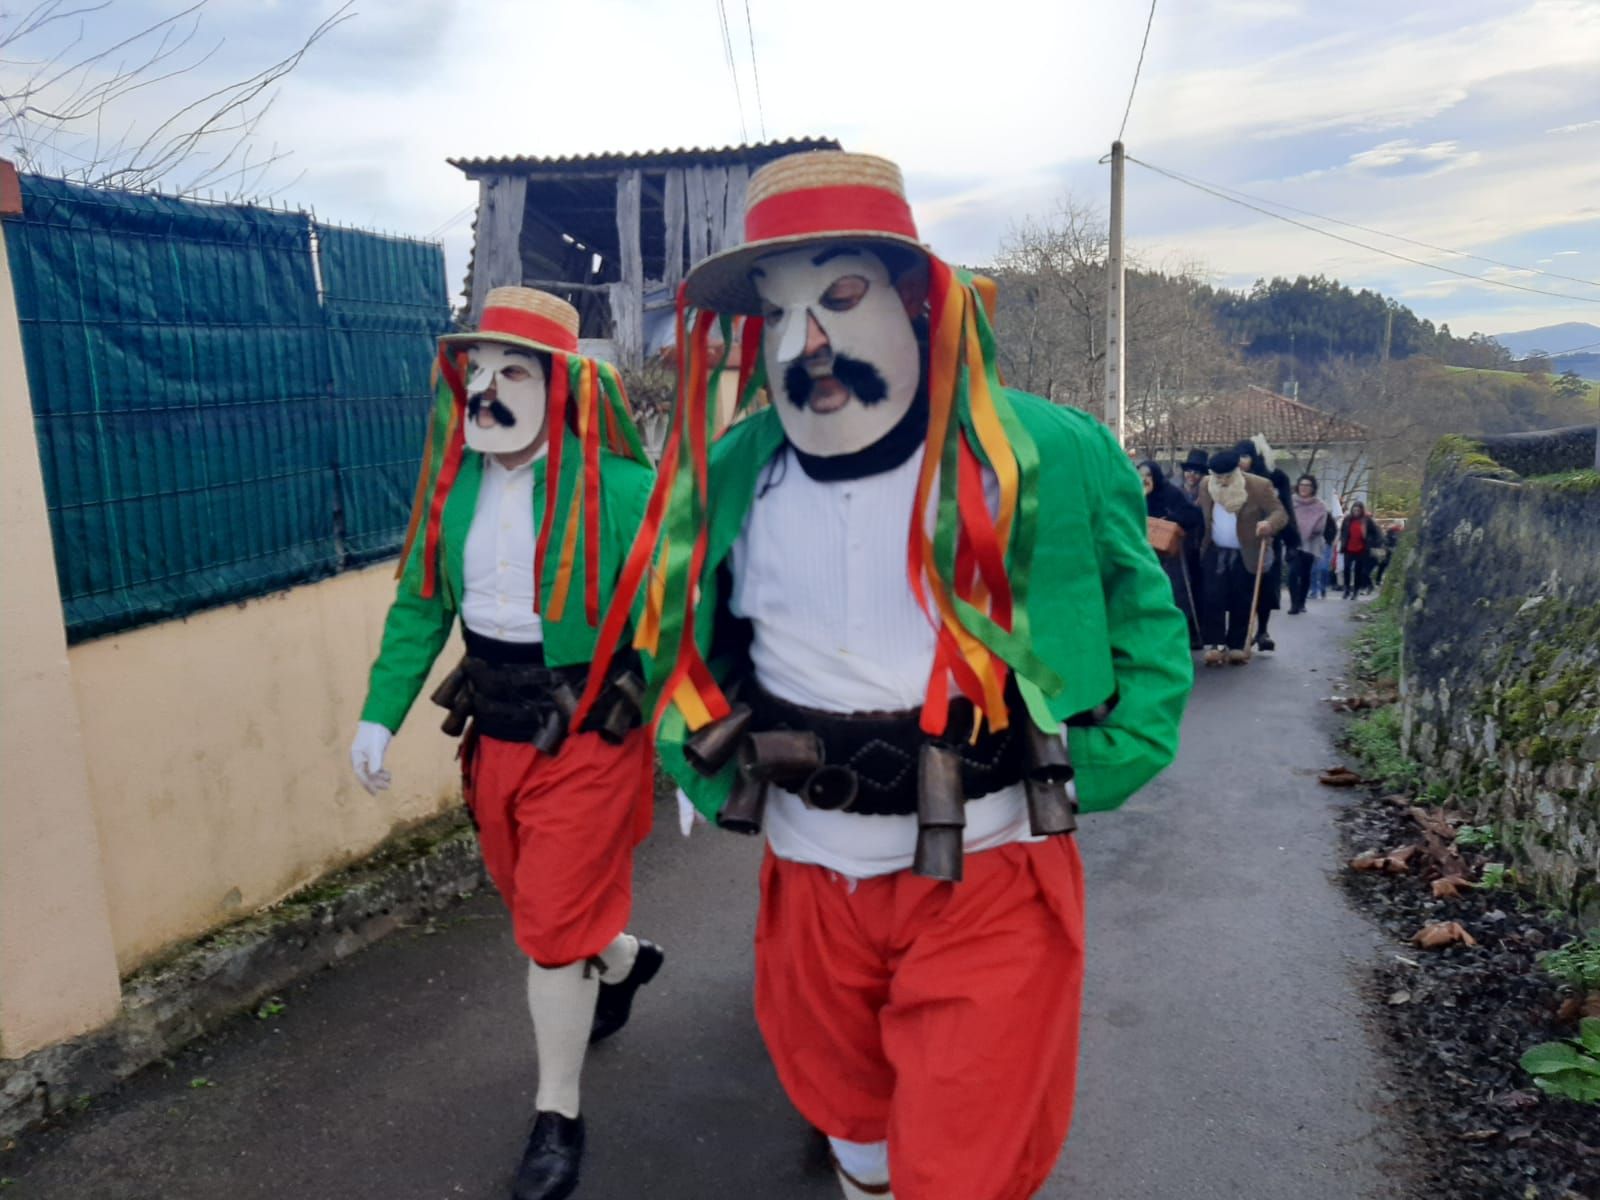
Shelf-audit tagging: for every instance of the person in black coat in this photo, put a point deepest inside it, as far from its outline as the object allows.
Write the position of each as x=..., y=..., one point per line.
x=1166, y=500
x=1255, y=458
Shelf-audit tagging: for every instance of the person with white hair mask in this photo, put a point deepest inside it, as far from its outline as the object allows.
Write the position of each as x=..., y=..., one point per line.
x=1256, y=457
x=1242, y=514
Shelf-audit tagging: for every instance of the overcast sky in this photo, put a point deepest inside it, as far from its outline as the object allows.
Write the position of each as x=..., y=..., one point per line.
x=1471, y=124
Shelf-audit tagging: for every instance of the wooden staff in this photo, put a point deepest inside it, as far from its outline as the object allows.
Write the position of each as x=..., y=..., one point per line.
x=1255, y=597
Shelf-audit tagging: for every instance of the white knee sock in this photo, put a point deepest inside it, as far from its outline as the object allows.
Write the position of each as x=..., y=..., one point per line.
x=561, y=1000
x=618, y=957
x=862, y=1165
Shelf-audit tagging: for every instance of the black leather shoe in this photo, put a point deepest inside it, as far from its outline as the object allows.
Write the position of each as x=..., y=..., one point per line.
x=1265, y=643
x=615, y=1002
x=549, y=1168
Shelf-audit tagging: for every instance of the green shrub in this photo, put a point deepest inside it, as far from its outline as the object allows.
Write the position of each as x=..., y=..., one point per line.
x=1570, y=1068
x=1375, y=738
x=1576, y=963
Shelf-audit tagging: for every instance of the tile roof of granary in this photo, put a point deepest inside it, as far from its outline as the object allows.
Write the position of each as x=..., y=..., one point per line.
x=1226, y=419
x=518, y=164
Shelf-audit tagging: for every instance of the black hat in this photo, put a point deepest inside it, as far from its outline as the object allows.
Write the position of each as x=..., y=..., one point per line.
x=1245, y=446
x=1222, y=462
x=1196, y=461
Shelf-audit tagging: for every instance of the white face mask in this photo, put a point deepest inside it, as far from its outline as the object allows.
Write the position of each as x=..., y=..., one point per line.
x=503, y=382
x=837, y=329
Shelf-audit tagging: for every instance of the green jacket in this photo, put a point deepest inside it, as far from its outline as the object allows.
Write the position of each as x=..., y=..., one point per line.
x=417, y=628
x=1100, y=604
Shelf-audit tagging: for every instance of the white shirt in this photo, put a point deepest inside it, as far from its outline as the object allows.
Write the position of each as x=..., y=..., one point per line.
x=820, y=571
x=1224, y=527
x=498, y=559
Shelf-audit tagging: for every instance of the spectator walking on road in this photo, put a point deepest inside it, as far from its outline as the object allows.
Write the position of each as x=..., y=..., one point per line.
x=1385, y=553
x=1242, y=513
x=901, y=727
x=1166, y=502
x=556, y=770
x=1357, y=540
x=1194, y=475
x=1316, y=528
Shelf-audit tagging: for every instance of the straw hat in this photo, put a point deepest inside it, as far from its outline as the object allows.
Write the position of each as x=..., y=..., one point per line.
x=526, y=317
x=819, y=196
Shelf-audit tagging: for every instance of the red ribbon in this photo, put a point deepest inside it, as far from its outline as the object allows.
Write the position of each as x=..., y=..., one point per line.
x=849, y=208
x=519, y=322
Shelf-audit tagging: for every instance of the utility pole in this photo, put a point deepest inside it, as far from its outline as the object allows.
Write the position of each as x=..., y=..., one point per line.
x=1116, y=397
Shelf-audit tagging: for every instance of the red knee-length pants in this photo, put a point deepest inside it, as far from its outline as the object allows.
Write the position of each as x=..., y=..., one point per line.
x=558, y=834
x=942, y=1017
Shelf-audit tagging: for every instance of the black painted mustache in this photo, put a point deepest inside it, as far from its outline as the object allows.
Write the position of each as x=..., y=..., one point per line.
x=501, y=414
x=860, y=377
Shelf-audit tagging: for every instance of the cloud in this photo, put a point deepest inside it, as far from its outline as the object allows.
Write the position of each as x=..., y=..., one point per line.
x=1575, y=128
x=1434, y=157
x=1402, y=156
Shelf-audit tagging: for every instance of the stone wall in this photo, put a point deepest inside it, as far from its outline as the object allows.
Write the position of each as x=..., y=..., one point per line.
x=1501, y=657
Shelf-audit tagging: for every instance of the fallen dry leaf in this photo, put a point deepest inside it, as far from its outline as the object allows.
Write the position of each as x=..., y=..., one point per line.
x=1574, y=1008
x=1396, y=862
x=1399, y=799
x=1400, y=997
x=1433, y=822
x=1449, y=887
x=1436, y=934
x=1341, y=777
x=1478, y=1135
x=1444, y=855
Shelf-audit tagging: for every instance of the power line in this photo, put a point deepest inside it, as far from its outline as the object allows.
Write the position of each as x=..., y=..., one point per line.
x=761, y=110
x=1381, y=232
x=727, y=49
x=1339, y=237
x=443, y=228
x=1151, y=20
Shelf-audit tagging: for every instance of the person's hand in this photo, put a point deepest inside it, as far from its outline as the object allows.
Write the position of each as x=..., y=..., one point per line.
x=1263, y=529
x=366, y=756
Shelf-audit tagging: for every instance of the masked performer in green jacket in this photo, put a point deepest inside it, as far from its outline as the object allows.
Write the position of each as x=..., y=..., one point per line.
x=557, y=773
x=906, y=622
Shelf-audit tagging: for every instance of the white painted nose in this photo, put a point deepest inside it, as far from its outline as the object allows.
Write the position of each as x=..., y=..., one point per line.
x=792, y=343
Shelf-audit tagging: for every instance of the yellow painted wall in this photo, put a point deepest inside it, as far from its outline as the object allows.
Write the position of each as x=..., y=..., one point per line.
x=217, y=751
x=56, y=973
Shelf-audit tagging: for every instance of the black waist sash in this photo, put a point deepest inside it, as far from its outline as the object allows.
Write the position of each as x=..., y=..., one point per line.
x=881, y=749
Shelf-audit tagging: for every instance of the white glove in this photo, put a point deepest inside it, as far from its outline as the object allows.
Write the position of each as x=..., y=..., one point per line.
x=688, y=815
x=366, y=756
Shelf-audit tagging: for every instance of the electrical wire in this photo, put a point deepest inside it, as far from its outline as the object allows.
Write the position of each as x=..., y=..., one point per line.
x=1339, y=237
x=727, y=48
x=1399, y=237
x=761, y=110
x=1149, y=21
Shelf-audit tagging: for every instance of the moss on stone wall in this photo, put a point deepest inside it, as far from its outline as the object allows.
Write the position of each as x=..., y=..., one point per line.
x=1463, y=454
x=1569, y=483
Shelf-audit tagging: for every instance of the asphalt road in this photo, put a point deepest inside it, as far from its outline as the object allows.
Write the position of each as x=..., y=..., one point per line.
x=1224, y=1052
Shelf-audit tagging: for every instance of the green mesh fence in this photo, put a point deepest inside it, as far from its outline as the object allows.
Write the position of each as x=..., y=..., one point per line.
x=211, y=428
x=384, y=299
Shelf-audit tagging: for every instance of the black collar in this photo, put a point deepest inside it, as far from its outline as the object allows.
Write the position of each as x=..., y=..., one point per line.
x=885, y=454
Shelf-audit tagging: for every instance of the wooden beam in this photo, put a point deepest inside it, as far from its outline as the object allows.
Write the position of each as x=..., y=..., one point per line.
x=694, y=190
x=627, y=295
x=497, y=248
x=673, y=206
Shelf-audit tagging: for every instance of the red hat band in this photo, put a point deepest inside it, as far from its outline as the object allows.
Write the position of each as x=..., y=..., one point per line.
x=519, y=322
x=845, y=208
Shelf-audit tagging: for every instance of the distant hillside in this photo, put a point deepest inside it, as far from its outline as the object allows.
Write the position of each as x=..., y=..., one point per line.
x=1551, y=339
x=1585, y=366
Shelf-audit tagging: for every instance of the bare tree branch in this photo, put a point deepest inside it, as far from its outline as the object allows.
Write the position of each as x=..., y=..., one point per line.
x=55, y=118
